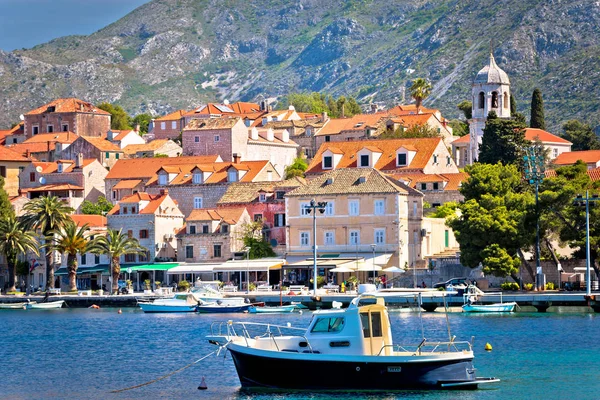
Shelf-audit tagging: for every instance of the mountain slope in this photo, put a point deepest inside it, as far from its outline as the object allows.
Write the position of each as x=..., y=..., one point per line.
x=171, y=54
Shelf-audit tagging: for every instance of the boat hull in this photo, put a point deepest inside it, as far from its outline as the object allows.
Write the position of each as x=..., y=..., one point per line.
x=13, y=306
x=363, y=373
x=161, y=308
x=500, y=307
x=46, y=306
x=216, y=308
x=271, y=310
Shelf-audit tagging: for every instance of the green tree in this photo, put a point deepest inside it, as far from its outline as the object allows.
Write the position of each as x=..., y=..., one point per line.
x=143, y=120
x=72, y=240
x=6, y=208
x=15, y=240
x=466, y=107
x=120, y=120
x=47, y=214
x=415, y=131
x=581, y=135
x=513, y=105
x=420, y=90
x=254, y=240
x=296, y=168
x=116, y=244
x=100, y=207
x=494, y=219
x=537, y=110
x=459, y=128
x=503, y=141
x=446, y=210
x=352, y=107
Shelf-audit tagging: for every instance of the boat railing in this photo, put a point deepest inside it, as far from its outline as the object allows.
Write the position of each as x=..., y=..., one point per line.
x=428, y=347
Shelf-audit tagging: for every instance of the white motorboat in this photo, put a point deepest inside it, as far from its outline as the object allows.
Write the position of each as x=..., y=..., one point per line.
x=472, y=302
x=272, y=309
x=343, y=349
x=181, y=302
x=13, y=306
x=45, y=306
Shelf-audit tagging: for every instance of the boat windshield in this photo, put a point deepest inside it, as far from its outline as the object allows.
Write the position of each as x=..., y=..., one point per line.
x=331, y=324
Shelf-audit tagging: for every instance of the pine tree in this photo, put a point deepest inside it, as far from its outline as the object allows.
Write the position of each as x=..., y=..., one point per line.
x=537, y=110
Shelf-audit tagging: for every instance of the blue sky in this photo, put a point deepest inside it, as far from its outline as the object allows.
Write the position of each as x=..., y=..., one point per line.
x=26, y=23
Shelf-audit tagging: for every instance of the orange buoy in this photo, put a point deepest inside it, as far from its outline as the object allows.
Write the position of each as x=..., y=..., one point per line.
x=203, y=385
x=94, y=306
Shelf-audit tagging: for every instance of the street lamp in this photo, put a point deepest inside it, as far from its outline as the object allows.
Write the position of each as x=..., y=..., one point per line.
x=247, y=251
x=534, y=173
x=578, y=201
x=312, y=208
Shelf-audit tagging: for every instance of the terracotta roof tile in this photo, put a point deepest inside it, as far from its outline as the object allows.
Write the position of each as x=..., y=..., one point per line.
x=8, y=154
x=211, y=123
x=54, y=186
x=91, y=220
x=174, y=116
x=127, y=184
x=424, y=146
x=463, y=139
x=546, y=137
x=147, y=167
x=357, y=122
x=60, y=137
x=218, y=175
x=121, y=134
x=150, y=146
x=247, y=192
x=347, y=181
x=587, y=156
x=154, y=201
x=409, y=109
x=23, y=148
x=68, y=105
x=102, y=144
x=229, y=215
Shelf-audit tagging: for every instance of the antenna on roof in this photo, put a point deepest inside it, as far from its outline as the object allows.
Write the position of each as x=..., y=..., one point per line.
x=226, y=102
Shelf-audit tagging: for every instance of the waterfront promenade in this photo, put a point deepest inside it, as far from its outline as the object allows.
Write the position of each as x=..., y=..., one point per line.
x=533, y=301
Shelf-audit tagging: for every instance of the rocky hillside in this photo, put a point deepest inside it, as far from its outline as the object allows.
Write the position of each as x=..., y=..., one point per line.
x=172, y=54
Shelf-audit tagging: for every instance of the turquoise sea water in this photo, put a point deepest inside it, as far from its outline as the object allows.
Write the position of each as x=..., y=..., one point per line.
x=84, y=354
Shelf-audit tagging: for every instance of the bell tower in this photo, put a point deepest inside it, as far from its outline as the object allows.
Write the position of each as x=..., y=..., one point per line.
x=490, y=92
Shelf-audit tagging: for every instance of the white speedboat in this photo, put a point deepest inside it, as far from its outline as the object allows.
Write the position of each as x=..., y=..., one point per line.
x=343, y=349
x=181, y=302
x=13, y=306
x=272, y=309
x=45, y=306
x=225, y=305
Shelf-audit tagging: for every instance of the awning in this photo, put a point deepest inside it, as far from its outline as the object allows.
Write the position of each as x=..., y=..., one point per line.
x=323, y=263
x=148, y=267
x=192, y=269
x=97, y=269
x=250, y=265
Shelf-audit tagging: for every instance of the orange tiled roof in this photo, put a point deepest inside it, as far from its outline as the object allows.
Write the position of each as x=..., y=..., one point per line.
x=463, y=139
x=587, y=156
x=424, y=146
x=91, y=220
x=154, y=201
x=150, y=146
x=7, y=154
x=546, y=137
x=335, y=126
x=121, y=134
x=211, y=123
x=174, y=116
x=54, y=186
x=127, y=184
x=68, y=105
x=60, y=137
x=102, y=144
x=230, y=215
x=23, y=148
x=409, y=109
x=218, y=175
x=453, y=180
x=147, y=167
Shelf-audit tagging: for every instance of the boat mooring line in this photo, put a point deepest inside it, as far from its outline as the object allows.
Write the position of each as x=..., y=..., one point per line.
x=167, y=375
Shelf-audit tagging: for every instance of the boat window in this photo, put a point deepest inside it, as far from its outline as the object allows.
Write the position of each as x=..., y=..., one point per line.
x=364, y=321
x=376, y=324
x=333, y=324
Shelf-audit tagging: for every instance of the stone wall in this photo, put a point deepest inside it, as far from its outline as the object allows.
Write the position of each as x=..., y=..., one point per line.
x=184, y=194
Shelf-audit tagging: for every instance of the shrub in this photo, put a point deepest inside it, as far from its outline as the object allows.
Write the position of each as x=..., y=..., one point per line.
x=509, y=286
x=183, y=286
x=529, y=286
x=550, y=286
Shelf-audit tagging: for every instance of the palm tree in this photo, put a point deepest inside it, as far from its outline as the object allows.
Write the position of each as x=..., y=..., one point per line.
x=116, y=244
x=48, y=214
x=15, y=240
x=72, y=240
x=420, y=90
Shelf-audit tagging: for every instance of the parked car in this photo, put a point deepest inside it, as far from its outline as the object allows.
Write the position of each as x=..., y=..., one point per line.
x=453, y=282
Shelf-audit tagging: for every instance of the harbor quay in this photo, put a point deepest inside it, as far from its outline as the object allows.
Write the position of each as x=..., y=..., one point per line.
x=527, y=301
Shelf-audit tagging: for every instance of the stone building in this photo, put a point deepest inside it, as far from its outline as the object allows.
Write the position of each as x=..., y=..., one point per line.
x=156, y=147
x=212, y=235
x=11, y=165
x=69, y=114
x=100, y=148
x=45, y=146
x=153, y=220
x=168, y=126
x=72, y=181
x=124, y=138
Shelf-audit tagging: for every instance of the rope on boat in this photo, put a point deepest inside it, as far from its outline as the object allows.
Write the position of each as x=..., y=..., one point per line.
x=167, y=375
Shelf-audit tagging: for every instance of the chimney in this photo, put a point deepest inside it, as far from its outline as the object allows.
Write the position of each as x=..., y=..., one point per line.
x=373, y=108
x=270, y=135
x=81, y=107
x=236, y=158
x=27, y=153
x=110, y=135
x=136, y=129
x=285, y=136
x=324, y=116
x=254, y=134
x=164, y=192
x=79, y=163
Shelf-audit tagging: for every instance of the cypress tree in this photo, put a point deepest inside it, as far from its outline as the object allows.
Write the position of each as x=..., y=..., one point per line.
x=537, y=110
x=513, y=105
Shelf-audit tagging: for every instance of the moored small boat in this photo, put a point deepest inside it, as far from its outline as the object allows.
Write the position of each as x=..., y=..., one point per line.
x=344, y=349
x=13, y=306
x=272, y=310
x=473, y=294
x=223, y=306
x=45, y=306
x=181, y=302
